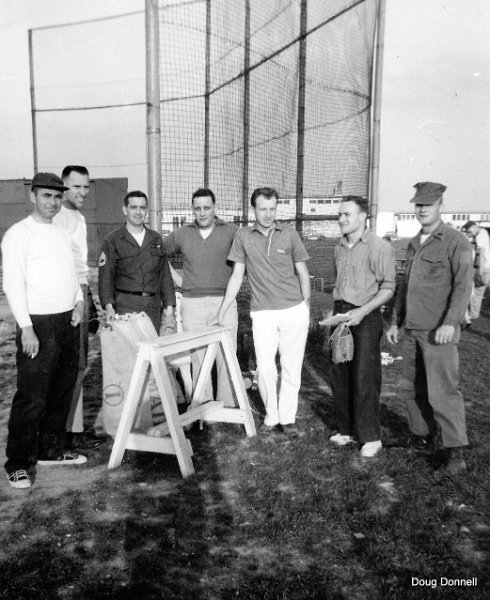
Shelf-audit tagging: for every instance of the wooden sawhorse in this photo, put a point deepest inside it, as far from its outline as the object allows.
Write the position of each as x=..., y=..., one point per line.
x=156, y=354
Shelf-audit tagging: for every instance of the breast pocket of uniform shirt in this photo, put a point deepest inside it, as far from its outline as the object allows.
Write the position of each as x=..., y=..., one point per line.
x=156, y=250
x=435, y=267
x=157, y=253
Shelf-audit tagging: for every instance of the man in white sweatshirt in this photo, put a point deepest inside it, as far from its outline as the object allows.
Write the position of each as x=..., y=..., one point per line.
x=42, y=288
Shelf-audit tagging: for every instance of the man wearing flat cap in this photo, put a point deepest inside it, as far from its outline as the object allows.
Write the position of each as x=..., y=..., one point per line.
x=42, y=288
x=430, y=305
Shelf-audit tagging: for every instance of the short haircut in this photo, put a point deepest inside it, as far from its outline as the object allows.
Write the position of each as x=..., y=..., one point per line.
x=77, y=168
x=467, y=226
x=361, y=202
x=267, y=192
x=203, y=193
x=134, y=194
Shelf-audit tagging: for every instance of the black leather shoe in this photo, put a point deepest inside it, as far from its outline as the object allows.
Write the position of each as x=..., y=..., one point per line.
x=455, y=464
x=420, y=444
x=291, y=430
x=84, y=441
x=268, y=429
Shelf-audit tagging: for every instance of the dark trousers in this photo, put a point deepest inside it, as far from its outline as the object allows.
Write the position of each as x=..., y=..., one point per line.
x=45, y=385
x=356, y=385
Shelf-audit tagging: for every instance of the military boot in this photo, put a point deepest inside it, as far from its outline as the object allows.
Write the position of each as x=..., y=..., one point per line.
x=454, y=463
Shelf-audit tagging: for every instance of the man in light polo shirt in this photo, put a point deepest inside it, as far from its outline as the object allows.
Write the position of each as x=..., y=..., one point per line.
x=274, y=258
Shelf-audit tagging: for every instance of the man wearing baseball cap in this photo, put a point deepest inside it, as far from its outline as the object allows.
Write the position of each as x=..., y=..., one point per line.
x=41, y=285
x=430, y=305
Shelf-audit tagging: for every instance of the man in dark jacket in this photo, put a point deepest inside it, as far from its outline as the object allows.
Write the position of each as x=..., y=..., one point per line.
x=134, y=274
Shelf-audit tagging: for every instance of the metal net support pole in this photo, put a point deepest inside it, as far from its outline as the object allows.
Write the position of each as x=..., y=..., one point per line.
x=33, y=104
x=376, y=120
x=300, y=153
x=246, y=114
x=153, y=135
x=207, y=97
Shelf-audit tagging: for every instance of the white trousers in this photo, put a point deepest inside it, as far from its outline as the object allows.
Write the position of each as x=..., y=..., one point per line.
x=285, y=330
x=198, y=313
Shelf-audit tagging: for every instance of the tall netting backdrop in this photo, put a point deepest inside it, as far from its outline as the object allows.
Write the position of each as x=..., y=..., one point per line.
x=252, y=93
x=248, y=85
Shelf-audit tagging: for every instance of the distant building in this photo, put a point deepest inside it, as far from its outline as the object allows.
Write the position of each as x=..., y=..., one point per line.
x=405, y=225
x=318, y=206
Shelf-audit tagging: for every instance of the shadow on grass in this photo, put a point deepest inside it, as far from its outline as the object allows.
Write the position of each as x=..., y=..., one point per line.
x=262, y=518
x=137, y=532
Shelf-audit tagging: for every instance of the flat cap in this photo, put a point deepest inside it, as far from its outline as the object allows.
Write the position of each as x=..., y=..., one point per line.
x=428, y=192
x=49, y=181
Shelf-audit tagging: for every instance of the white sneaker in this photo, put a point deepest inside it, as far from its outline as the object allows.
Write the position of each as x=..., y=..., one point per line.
x=341, y=440
x=370, y=449
x=19, y=479
x=67, y=458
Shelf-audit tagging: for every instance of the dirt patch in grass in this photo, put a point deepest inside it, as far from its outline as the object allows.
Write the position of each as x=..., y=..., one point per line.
x=263, y=518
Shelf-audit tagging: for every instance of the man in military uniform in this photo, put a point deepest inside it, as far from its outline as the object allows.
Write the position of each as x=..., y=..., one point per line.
x=134, y=274
x=430, y=306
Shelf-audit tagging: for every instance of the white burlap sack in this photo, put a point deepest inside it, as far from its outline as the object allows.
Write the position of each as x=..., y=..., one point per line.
x=119, y=351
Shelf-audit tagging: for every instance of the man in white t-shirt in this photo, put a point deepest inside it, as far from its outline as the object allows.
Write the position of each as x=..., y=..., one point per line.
x=42, y=289
x=480, y=237
x=76, y=179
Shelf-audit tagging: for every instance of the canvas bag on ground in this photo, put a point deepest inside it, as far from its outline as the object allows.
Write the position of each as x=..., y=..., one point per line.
x=119, y=351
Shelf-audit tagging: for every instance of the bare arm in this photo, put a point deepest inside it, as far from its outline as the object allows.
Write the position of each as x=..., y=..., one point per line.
x=231, y=290
x=177, y=277
x=304, y=281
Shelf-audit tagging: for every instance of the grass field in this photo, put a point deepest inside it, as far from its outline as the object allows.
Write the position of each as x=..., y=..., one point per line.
x=263, y=518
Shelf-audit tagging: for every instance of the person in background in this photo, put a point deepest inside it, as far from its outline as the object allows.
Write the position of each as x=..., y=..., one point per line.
x=274, y=259
x=430, y=306
x=365, y=280
x=480, y=237
x=42, y=288
x=204, y=245
x=76, y=179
